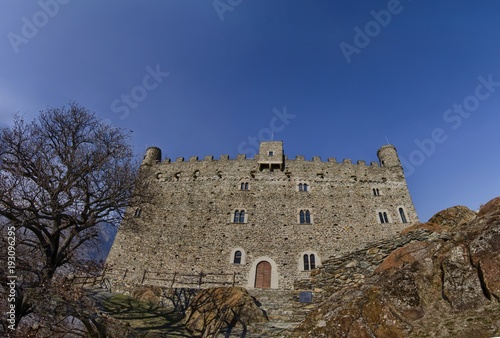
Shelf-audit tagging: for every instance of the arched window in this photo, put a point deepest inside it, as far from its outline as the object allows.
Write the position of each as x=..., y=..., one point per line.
x=304, y=217
x=376, y=192
x=403, y=216
x=301, y=187
x=239, y=216
x=306, y=187
x=237, y=257
x=309, y=262
x=244, y=186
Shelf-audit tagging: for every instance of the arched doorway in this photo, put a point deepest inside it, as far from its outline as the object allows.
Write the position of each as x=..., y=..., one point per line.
x=263, y=275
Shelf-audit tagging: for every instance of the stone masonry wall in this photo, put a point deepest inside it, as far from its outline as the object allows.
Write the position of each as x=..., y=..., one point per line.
x=190, y=228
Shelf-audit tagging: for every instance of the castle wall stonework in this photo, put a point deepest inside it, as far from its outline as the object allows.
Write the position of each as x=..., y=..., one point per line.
x=190, y=227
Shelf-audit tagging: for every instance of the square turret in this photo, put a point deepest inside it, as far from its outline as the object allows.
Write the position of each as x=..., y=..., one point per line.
x=271, y=155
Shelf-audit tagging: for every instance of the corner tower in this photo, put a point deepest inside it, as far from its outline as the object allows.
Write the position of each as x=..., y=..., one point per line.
x=388, y=156
x=152, y=156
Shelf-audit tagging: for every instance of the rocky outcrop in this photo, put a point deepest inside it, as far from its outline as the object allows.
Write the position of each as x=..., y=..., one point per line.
x=442, y=283
x=217, y=308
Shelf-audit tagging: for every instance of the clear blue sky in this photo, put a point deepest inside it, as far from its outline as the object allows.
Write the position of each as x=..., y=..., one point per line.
x=430, y=69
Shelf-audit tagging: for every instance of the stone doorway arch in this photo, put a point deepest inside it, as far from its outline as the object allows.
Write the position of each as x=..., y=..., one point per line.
x=268, y=265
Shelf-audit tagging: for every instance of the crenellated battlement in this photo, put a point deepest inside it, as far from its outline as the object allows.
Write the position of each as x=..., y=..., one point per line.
x=243, y=157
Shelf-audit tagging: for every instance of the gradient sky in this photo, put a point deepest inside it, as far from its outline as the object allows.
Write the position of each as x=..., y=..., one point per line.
x=425, y=77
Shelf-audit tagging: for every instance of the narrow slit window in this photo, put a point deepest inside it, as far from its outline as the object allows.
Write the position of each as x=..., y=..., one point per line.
x=302, y=217
x=137, y=212
x=403, y=216
x=306, y=262
x=242, y=216
x=312, y=261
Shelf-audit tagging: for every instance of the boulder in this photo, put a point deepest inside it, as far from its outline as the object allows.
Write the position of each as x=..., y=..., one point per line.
x=217, y=308
x=440, y=286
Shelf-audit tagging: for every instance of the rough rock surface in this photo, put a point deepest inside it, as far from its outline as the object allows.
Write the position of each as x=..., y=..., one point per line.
x=444, y=285
x=216, y=308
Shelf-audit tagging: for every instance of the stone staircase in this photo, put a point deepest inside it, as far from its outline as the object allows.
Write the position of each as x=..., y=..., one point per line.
x=283, y=310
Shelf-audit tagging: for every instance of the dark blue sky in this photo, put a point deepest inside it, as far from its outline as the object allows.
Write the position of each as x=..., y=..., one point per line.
x=201, y=77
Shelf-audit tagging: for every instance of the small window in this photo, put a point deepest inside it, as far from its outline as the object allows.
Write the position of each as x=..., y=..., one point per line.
x=383, y=217
x=237, y=257
x=309, y=262
x=271, y=153
x=244, y=186
x=303, y=187
x=376, y=192
x=305, y=217
x=403, y=216
x=239, y=216
x=137, y=212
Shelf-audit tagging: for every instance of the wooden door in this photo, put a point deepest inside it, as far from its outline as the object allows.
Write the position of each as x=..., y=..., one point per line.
x=263, y=275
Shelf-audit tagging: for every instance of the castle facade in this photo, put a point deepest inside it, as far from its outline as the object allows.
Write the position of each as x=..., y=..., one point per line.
x=267, y=221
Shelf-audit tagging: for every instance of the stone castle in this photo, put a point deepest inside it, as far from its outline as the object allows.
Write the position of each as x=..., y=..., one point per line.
x=267, y=221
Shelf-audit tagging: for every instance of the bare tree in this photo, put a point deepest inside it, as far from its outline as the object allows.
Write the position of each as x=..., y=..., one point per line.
x=62, y=177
